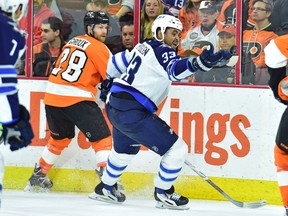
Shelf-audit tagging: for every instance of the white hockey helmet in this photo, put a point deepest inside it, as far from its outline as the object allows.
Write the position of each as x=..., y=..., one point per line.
x=10, y=7
x=164, y=21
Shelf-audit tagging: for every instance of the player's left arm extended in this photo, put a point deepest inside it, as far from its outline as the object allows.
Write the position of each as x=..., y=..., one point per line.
x=182, y=68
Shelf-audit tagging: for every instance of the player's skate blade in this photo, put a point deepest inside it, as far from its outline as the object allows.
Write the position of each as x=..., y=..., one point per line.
x=161, y=205
x=107, y=193
x=102, y=198
x=169, y=199
x=35, y=189
x=38, y=182
x=99, y=172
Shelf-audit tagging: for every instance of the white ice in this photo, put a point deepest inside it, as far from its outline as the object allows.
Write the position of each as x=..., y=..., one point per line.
x=70, y=204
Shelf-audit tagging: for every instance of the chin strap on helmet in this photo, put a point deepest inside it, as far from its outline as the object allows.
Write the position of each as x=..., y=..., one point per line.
x=92, y=30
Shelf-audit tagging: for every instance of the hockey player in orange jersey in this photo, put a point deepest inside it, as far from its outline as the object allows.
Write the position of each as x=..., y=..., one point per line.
x=276, y=58
x=70, y=98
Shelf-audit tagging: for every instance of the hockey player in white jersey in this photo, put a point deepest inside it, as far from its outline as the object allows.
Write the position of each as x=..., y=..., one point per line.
x=146, y=74
x=17, y=131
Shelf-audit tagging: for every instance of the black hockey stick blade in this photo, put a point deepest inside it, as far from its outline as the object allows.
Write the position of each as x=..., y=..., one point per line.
x=240, y=204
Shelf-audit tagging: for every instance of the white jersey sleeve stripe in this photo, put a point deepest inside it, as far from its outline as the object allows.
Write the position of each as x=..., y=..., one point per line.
x=117, y=64
x=8, y=70
x=8, y=80
x=123, y=55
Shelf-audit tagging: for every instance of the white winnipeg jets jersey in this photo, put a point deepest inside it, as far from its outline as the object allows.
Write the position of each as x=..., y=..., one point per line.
x=147, y=72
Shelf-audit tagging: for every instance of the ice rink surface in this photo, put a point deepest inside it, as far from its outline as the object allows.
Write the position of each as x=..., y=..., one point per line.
x=70, y=204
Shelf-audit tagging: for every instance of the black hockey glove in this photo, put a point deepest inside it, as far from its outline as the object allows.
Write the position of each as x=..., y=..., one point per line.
x=19, y=134
x=208, y=59
x=105, y=88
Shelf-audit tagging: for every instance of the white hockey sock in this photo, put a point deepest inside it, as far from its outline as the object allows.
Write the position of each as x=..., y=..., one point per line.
x=116, y=165
x=171, y=165
x=48, y=156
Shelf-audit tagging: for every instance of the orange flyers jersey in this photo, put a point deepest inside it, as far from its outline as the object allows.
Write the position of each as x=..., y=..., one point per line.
x=189, y=20
x=221, y=16
x=282, y=44
x=254, y=42
x=226, y=4
x=78, y=69
x=113, y=9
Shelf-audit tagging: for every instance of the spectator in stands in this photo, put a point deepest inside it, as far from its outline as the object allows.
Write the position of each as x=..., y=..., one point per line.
x=127, y=32
x=41, y=12
x=120, y=7
x=113, y=39
x=62, y=12
x=53, y=5
x=96, y=5
x=78, y=24
x=173, y=7
x=254, y=41
x=207, y=32
x=228, y=13
x=226, y=73
x=279, y=17
x=247, y=21
x=46, y=53
x=219, y=4
x=150, y=10
x=189, y=16
x=227, y=37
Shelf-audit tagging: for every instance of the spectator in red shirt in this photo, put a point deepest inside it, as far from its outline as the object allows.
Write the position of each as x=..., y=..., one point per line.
x=41, y=12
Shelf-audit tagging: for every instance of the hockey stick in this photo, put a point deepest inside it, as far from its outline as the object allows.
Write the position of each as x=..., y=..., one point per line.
x=240, y=204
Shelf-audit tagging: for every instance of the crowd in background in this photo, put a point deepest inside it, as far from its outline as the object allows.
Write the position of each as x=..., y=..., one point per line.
x=204, y=23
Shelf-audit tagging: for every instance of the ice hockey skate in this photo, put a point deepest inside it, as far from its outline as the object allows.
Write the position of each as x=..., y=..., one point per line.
x=286, y=211
x=169, y=199
x=38, y=182
x=100, y=170
x=101, y=161
x=109, y=194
